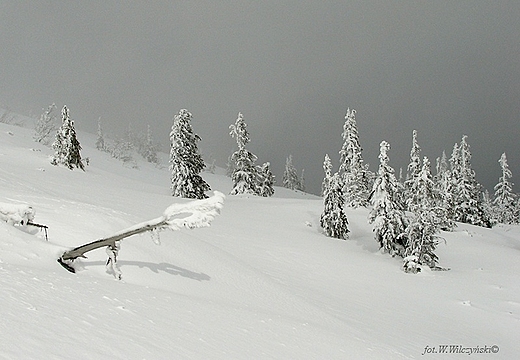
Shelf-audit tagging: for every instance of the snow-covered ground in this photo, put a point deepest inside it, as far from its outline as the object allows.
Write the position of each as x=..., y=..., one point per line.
x=262, y=282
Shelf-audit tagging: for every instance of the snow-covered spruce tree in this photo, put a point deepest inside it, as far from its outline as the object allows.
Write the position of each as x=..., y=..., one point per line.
x=245, y=173
x=302, y=180
x=487, y=206
x=266, y=180
x=186, y=162
x=516, y=212
x=467, y=192
x=100, y=140
x=425, y=224
x=387, y=215
x=66, y=145
x=414, y=166
x=149, y=148
x=230, y=166
x=333, y=220
x=45, y=126
x=212, y=167
x=442, y=181
x=504, y=201
x=290, y=178
x=451, y=183
x=352, y=169
x=327, y=169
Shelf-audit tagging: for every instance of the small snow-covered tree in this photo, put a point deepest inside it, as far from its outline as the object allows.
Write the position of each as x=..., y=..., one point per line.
x=442, y=181
x=504, y=202
x=122, y=149
x=186, y=162
x=333, y=220
x=387, y=215
x=302, y=180
x=245, y=172
x=266, y=180
x=487, y=206
x=230, y=166
x=428, y=216
x=414, y=166
x=290, y=178
x=467, y=193
x=149, y=148
x=352, y=169
x=516, y=213
x=100, y=140
x=212, y=167
x=66, y=145
x=327, y=169
x=45, y=126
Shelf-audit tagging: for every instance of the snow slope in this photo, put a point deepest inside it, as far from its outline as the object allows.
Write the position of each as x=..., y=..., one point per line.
x=261, y=283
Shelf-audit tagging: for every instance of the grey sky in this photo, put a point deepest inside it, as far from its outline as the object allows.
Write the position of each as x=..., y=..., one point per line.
x=445, y=68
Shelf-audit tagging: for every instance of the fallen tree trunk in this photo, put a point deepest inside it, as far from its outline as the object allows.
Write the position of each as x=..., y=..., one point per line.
x=199, y=213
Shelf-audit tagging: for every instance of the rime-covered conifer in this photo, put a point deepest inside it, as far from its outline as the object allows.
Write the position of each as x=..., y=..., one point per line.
x=123, y=150
x=352, y=169
x=467, y=193
x=290, y=178
x=186, y=162
x=414, y=166
x=421, y=232
x=333, y=220
x=387, y=215
x=149, y=148
x=327, y=169
x=442, y=181
x=245, y=173
x=66, y=145
x=302, y=180
x=100, y=140
x=45, y=126
x=504, y=201
x=266, y=180
x=489, y=209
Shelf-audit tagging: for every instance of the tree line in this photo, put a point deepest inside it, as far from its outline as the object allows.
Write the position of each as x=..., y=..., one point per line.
x=408, y=214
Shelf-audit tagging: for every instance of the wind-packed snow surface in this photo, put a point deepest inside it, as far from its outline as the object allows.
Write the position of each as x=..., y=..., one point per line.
x=262, y=282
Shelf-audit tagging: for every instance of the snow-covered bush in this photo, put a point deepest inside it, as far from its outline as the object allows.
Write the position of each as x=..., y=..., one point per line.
x=16, y=214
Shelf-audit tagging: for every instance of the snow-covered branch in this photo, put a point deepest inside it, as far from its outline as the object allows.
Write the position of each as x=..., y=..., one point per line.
x=195, y=214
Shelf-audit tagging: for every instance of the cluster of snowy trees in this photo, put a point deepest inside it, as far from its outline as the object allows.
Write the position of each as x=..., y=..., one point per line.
x=123, y=148
x=186, y=162
x=408, y=215
x=350, y=184
x=64, y=142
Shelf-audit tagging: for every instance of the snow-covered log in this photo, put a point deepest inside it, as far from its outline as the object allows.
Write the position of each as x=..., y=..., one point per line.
x=195, y=214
